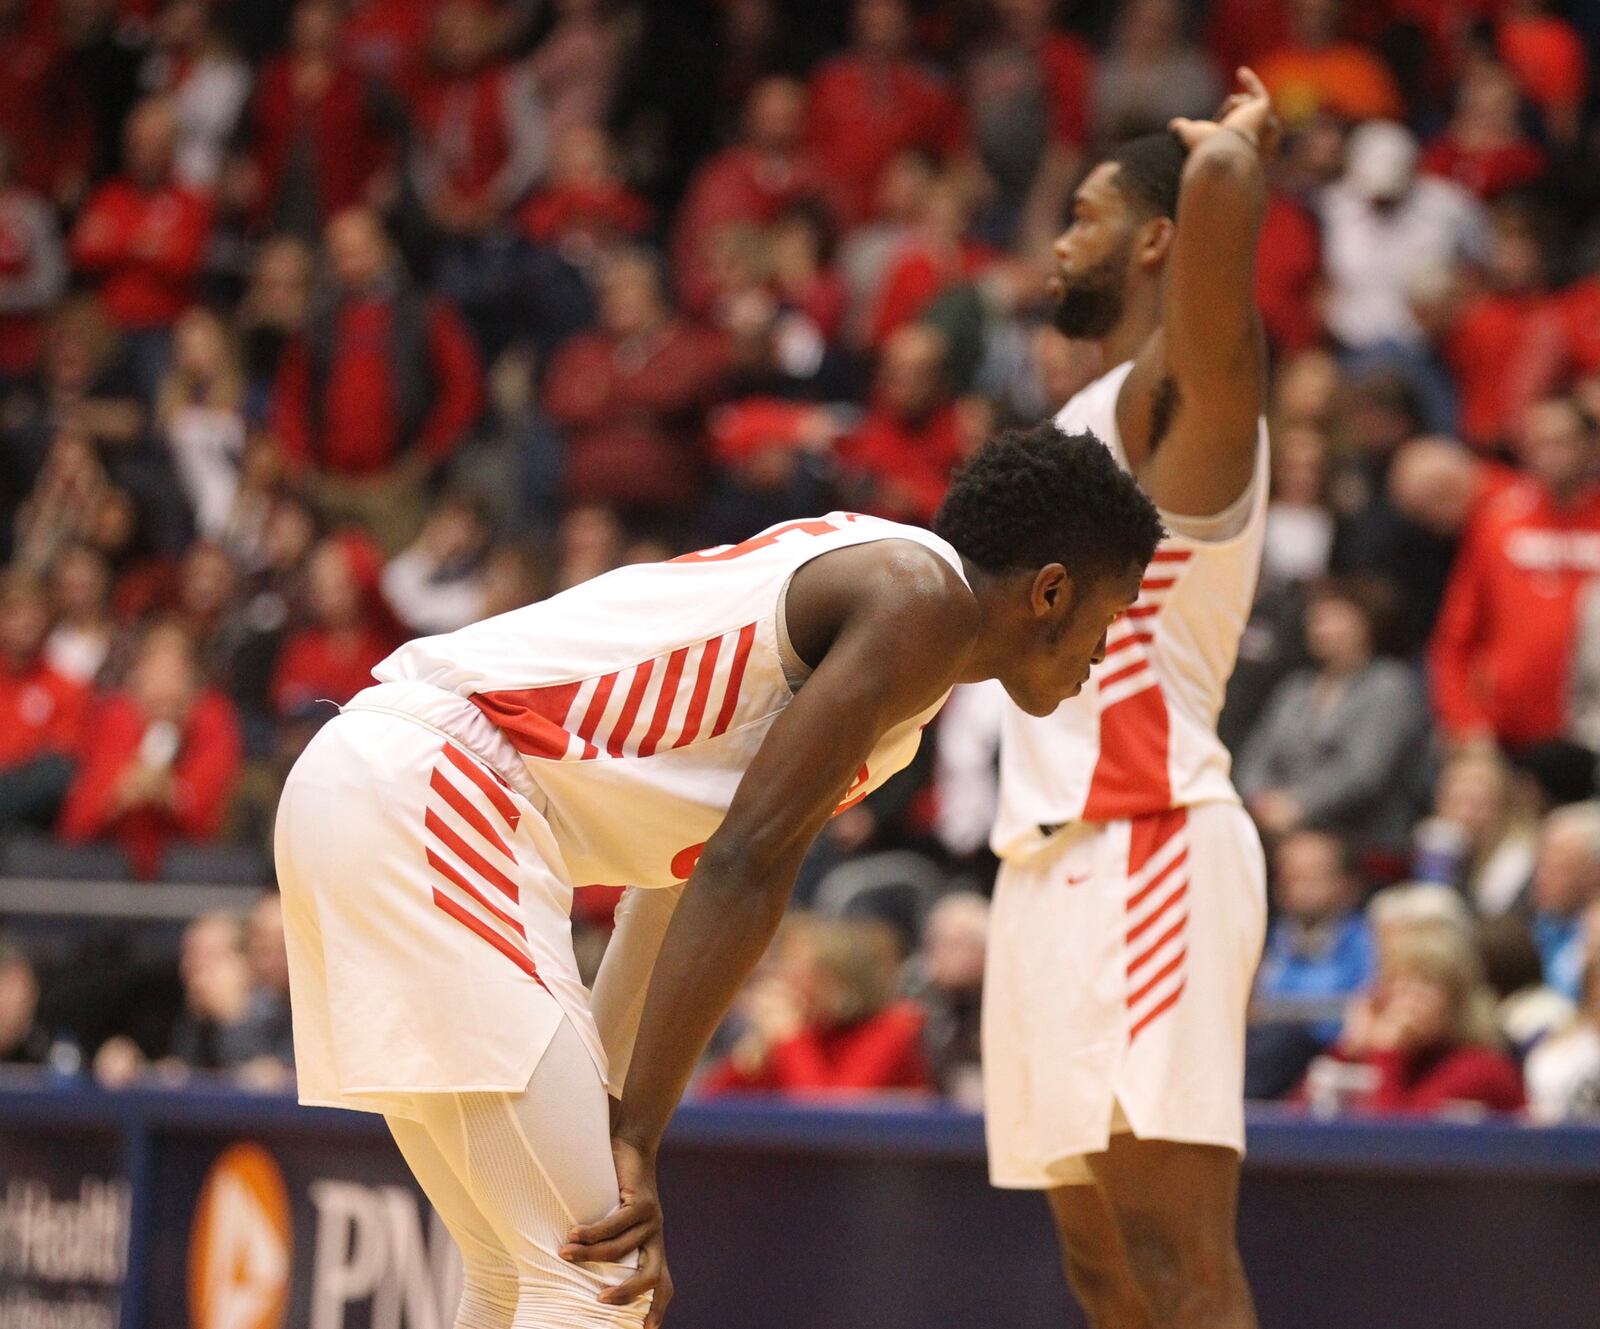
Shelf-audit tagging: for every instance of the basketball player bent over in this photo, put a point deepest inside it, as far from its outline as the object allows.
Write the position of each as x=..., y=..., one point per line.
x=695, y=721
x=1130, y=902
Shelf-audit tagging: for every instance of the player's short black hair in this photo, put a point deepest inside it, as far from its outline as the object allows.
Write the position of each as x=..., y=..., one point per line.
x=1035, y=496
x=1149, y=169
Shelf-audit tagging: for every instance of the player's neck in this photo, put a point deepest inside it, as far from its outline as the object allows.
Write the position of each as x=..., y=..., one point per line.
x=990, y=648
x=1141, y=317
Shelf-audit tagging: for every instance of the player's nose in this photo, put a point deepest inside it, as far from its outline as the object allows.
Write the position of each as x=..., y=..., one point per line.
x=1100, y=648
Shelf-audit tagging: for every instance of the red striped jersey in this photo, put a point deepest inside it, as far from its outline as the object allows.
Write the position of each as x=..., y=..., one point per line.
x=629, y=707
x=1141, y=738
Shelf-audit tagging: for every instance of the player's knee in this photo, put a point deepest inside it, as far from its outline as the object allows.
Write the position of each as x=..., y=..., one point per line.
x=574, y=1302
x=1180, y=1262
x=489, y=1296
x=1092, y=1250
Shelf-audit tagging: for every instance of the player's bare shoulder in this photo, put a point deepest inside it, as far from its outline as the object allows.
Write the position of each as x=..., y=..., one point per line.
x=904, y=588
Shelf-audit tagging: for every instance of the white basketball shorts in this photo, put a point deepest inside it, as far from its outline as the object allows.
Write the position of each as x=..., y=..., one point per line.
x=426, y=913
x=1121, y=956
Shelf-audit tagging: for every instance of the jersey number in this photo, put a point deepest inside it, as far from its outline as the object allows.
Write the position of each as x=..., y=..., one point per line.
x=722, y=553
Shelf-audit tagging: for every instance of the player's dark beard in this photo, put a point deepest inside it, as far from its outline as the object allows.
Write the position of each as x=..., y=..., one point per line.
x=1091, y=304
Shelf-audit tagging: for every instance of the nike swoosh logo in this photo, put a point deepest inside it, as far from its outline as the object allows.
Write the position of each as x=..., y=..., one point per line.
x=1078, y=881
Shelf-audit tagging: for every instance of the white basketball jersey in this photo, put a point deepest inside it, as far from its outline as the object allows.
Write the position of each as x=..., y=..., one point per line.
x=629, y=707
x=1141, y=737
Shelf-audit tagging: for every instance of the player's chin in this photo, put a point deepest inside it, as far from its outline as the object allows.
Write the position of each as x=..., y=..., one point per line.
x=1071, y=692
x=1043, y=706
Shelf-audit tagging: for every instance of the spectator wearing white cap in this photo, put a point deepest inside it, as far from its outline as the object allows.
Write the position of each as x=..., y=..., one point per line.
x=1382, y=224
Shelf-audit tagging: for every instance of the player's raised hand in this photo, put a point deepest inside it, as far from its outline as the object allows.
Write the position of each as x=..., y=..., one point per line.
x=634, y=1225
x=1248, y=113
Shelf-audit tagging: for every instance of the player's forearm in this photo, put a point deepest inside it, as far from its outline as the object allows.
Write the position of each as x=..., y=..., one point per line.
x=722, y=927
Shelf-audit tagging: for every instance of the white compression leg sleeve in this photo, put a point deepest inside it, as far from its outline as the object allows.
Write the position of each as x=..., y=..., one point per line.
x=529, y=1165
x=489, y=1289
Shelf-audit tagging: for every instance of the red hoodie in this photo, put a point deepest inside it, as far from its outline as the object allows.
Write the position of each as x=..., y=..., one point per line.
x=1503, y=642
x=40, y=711
x=884, y=1051
x=207, y=762
x=146, y=247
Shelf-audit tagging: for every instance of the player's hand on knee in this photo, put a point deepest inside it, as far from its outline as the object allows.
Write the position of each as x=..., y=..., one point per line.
x=634, y=1225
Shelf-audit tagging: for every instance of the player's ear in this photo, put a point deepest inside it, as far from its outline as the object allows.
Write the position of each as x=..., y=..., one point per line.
x=1155, y=240
x=1052, y=591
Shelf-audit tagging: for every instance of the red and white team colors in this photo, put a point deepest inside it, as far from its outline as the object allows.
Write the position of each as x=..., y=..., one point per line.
x=431, y=835
x=1130, y=904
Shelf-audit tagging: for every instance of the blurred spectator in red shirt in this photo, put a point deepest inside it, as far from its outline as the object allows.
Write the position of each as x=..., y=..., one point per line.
x=33, y=269
x=165, y=755
x=1580, y=307
x=1503, y=644
x=384, y=39
x=825, y=1019
x=208, y=85
x=479, y=142
x=317, y=146
x=1027, y=100
x=1547, y=55
x=142, y=235
x=41, y=711
x=51, y=143
x=584, y=209
x=912, y=437
x=935, y=256
x=482, y=138
x=1507, y=343
x=1289, y=275
x=383, y=383
x=1426, y=1041
x=752, y=182
x=1319, y=70
x=632, y=395
x=1245, y=32
x=1484, y=148
x=875, y=100
x=331, y=659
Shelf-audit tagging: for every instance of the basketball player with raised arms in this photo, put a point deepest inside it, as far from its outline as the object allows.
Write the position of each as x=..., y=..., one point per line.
x=686, y=727
x=1130, y=904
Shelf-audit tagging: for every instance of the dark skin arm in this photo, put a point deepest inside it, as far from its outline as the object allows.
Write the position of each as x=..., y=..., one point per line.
x=1208, y=359
x=889, y=625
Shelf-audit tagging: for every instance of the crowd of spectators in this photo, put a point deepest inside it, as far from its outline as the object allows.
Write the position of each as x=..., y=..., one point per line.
x=327, y=324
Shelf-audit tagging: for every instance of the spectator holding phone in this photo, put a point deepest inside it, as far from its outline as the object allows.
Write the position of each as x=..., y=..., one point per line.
x=165, y=755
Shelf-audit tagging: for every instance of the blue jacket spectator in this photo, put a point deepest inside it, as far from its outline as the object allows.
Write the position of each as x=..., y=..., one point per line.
x=1319, y=953
x=1566, y=880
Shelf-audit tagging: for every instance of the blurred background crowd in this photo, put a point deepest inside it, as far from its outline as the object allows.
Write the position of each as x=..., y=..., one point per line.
x=328, y=324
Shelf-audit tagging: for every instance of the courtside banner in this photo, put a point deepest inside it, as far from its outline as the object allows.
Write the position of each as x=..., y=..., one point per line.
x=64, y=1226
x=288, y=1231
